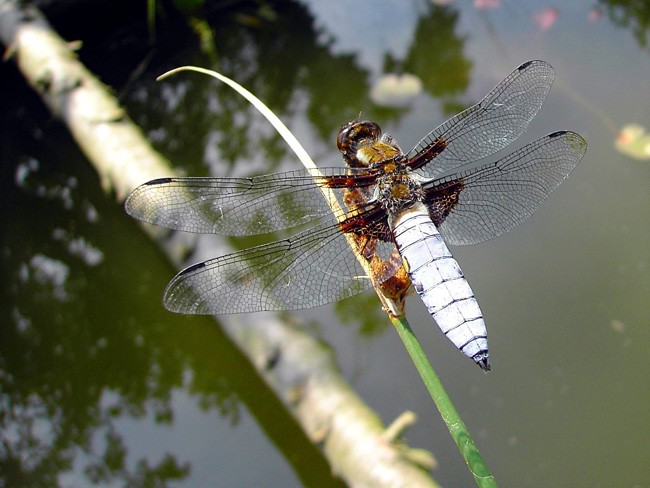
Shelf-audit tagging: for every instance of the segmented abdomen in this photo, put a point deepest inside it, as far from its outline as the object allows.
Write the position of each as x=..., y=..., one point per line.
x=438, y=279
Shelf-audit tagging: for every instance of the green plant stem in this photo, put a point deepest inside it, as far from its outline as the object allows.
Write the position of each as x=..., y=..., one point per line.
x=455, y=424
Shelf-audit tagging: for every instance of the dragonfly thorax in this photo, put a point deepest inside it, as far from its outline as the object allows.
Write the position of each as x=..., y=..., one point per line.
x=376, y=153
x=363, y=144
x=398, y=190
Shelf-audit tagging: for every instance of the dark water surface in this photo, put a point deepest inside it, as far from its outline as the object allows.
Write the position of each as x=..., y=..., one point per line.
x=99, y=382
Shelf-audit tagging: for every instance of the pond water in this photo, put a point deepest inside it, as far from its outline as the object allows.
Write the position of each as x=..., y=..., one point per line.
x=98, y=382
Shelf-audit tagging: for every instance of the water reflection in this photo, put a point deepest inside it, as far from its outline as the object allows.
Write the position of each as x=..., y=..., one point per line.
x=79, y=352
x=66, y=337
x=79, y=349
x=630, y=15
x=290, y=65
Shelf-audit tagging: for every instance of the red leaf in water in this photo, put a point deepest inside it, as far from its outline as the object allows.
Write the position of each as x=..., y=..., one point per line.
x=487, y=4
x=544, y=19
x=594, y=14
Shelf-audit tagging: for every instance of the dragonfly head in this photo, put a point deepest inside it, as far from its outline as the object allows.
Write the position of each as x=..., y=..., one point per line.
x=353, y=137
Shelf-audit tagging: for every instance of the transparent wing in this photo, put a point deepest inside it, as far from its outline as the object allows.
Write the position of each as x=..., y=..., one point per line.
x=487, y=127
x=314, y=267
x=494, y=198
x=242, y=206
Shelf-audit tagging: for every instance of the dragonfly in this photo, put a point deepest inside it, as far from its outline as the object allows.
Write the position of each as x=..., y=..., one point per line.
x=384, y=220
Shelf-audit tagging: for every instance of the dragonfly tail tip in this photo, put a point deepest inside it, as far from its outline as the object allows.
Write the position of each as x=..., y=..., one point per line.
x=482, y=360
